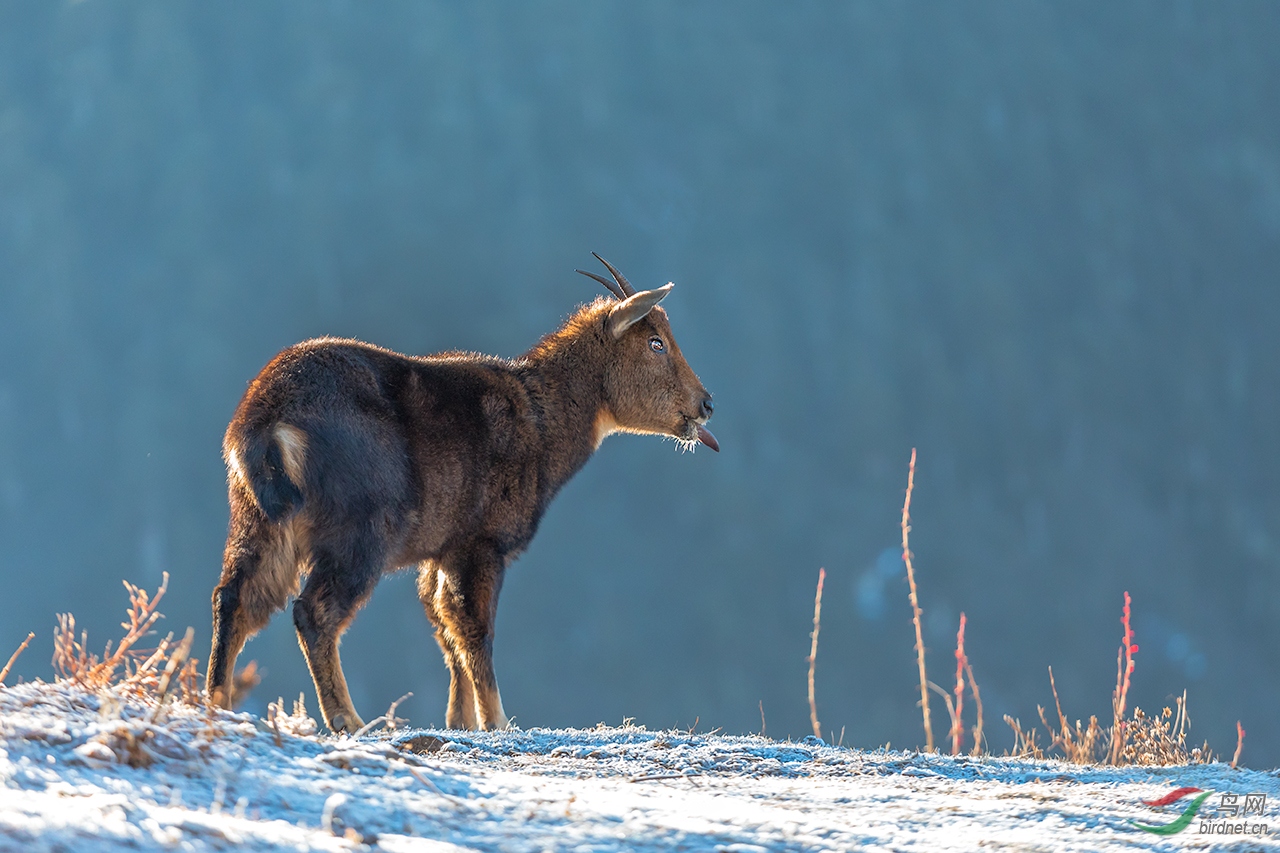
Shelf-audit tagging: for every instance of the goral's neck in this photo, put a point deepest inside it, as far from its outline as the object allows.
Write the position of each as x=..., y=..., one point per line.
x=566, y=380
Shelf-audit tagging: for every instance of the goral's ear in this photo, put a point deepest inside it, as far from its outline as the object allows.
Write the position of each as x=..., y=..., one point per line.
x=633, y=309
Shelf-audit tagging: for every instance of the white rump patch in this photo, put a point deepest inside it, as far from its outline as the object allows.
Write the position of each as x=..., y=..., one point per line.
x=234, y=468
x=293, y=451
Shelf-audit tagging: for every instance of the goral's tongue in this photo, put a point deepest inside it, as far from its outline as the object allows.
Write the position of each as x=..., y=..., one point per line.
x=705, y=436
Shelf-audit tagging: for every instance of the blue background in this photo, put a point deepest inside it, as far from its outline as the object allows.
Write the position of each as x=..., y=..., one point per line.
x=1037, y=241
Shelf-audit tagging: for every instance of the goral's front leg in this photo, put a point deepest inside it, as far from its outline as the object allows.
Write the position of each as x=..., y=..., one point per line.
x=466, y=602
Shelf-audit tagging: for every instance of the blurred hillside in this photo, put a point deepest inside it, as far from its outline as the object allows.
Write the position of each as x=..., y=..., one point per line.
x=1038, y=242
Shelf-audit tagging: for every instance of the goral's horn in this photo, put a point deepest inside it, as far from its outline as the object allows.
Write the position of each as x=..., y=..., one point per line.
x=609, y=285
x=627, y=289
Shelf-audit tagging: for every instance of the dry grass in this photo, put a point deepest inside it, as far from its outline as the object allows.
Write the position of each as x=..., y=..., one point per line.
x=142, y=669
x=1079, y=745
x=297, y=724
x=144, y=673
x=126, y=674
x=1148, y=741
x=1161, y=740
x=135, y=692
x=1024, y=741
x=389, y=719
x=1136, y=739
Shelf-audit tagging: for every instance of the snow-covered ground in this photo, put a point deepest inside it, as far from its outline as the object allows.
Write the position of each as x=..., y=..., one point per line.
x=233, y=781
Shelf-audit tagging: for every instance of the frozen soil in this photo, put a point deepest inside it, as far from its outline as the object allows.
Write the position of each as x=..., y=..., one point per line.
x=82, y=771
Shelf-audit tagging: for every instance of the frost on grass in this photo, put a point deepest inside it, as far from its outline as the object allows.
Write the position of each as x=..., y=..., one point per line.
x=71, y=779
x=122, y=752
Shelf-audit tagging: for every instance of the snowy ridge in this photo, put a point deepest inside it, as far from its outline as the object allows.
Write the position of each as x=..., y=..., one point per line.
x=89, y=772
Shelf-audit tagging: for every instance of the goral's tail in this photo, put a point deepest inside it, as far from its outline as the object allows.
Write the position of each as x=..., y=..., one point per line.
x=271, y=461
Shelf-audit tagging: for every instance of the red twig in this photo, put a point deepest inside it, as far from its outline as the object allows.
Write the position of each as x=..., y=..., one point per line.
x=957, y=730
x=1172, y=797
x=1124, y=669
x=1235, y=759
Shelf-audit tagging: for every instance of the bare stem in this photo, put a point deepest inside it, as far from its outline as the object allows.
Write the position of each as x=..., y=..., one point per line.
x=813, y=656
x=915, y=603
x=957, y=725
x=4, y=673
x=1235, y=759
x=392, y=719
x=946, y=700
x=977, y=701
x=1062, y=718
x=176, y=661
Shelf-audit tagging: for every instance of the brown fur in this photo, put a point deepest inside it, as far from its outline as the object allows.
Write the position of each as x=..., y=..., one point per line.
x=347, y=461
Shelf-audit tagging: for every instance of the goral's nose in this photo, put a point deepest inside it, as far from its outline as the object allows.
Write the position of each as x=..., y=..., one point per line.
x=707, y=408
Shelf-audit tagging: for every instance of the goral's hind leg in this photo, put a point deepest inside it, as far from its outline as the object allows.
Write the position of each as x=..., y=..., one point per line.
x=334, y=592
x=461, y=711
x=259, y=573
x=466, y=604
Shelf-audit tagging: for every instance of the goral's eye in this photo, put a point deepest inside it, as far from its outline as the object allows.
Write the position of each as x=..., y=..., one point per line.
x=656, y=344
